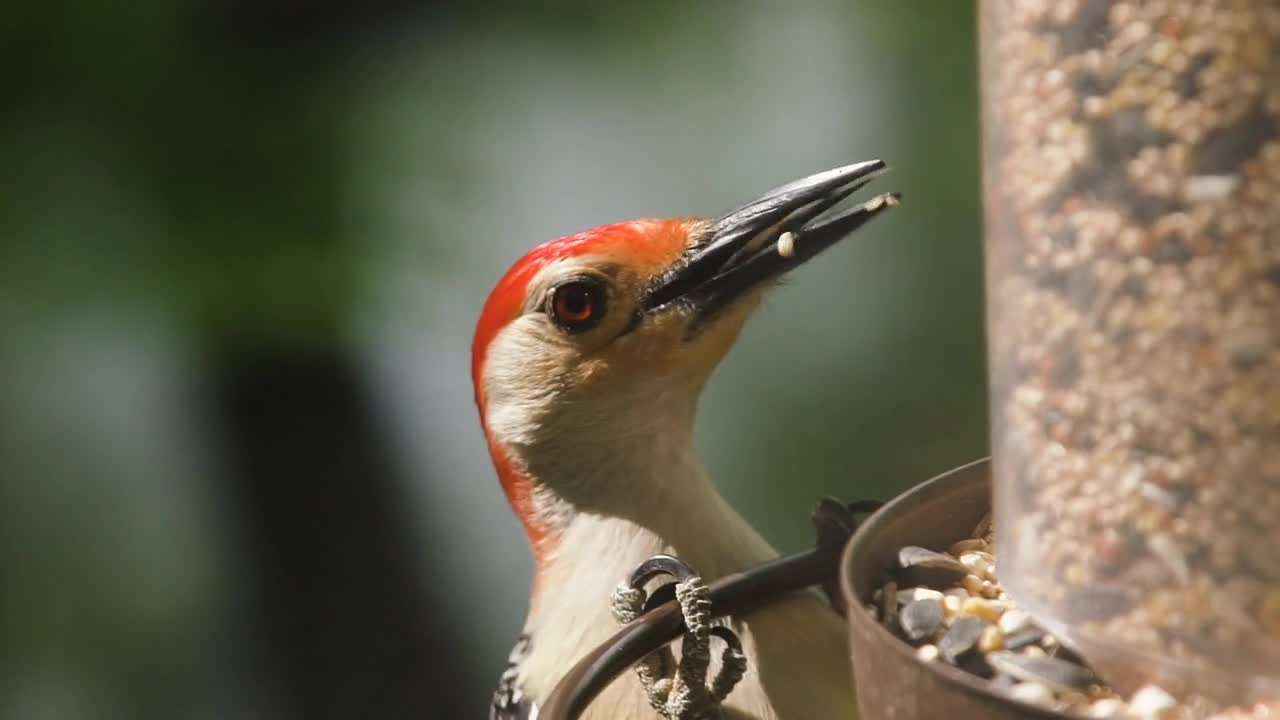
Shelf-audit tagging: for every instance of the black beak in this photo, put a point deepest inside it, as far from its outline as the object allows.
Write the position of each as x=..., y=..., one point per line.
x=770, y=236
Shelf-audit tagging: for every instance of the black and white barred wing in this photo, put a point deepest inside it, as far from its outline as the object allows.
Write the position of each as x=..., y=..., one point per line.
x=509, y=702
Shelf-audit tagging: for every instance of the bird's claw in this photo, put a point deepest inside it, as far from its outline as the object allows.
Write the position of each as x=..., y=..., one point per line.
x=660, y=565
x=678, y=690
x=836, y=522
x=733, y=663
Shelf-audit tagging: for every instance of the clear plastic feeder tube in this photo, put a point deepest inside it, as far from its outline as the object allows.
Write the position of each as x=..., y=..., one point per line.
x=1132, y=196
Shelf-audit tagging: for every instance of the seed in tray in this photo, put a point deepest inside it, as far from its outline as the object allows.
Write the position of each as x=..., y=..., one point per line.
x=972, y=584
x=1032, y=693
x=921, y=619
x=1013, y=621
x=992, y=640
x=921, y=566
x=1058, y=674
x=1027, y=636
x=951, y=605
x=918, y=593
x=927, y=653
x=989, y=610
x=961, y=637
x=976, y=563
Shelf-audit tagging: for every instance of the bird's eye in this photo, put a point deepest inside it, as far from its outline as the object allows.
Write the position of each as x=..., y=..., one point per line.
x=577, y=305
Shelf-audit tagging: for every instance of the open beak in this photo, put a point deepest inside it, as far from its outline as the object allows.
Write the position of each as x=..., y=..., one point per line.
x=768, y=237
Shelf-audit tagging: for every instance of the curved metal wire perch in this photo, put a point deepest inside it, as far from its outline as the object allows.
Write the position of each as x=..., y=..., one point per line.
x=734, y=594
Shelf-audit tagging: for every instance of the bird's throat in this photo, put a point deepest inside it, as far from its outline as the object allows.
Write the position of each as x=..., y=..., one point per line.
x=608, y=515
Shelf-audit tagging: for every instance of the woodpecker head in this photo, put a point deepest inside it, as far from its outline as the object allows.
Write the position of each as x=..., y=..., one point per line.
x=604, y=339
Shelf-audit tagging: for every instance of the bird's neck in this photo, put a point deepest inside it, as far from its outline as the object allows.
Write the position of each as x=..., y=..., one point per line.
x=670, y=506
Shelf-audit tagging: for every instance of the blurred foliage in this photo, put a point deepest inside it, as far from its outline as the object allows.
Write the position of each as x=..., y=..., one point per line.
x=169, y=154
x=195, y=187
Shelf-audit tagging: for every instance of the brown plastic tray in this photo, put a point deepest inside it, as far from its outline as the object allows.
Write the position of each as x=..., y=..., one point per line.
x=892, y=684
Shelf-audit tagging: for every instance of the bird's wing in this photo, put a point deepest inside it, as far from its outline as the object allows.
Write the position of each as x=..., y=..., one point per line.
x=509, y=702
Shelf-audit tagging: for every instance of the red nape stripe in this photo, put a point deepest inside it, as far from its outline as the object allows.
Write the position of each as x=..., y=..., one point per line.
x=518, y=487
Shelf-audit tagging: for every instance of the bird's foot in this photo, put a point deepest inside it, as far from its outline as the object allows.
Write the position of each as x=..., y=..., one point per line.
x=836, y=522
x=678, y=690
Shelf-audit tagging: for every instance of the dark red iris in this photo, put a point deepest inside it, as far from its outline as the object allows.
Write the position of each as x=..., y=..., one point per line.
x=578, y=304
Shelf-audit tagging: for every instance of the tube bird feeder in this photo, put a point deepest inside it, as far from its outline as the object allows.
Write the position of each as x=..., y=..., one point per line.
x=1132, y=200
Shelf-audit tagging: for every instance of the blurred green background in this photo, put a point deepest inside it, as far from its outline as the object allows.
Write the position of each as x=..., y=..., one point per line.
x=245, y=246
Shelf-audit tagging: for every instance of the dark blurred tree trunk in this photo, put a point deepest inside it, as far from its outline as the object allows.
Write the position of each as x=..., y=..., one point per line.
x=338, y=597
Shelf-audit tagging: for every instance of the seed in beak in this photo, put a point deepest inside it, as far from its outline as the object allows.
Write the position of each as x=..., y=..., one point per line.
x=888, y=199
x=787, y=244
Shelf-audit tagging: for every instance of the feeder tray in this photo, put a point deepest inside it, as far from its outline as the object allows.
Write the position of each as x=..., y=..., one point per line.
x=891, y=681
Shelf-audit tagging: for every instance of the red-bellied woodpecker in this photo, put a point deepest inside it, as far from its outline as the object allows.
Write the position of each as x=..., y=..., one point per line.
x=588, y=361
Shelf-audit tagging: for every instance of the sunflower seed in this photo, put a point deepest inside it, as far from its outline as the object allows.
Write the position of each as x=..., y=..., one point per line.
x=921, y=619
x=1055, y=673
x=1027, y=636
x=921, y=566
x=961, y=637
